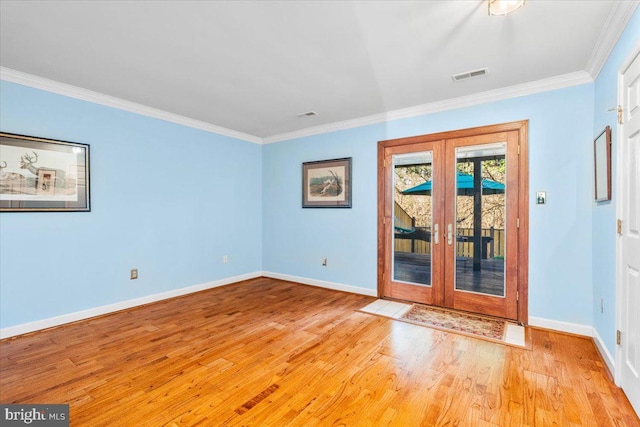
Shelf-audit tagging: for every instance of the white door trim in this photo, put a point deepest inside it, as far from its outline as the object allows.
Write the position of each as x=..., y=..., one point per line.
x=619, y=208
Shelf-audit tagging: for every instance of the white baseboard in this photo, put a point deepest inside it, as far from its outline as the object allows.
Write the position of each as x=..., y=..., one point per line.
x=123, y=305
x=556, y=325
x=584, y=330
x=606, y=356
x=322, y=284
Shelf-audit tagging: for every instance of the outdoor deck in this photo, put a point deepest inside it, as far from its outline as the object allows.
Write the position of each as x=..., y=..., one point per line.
x=416, y=268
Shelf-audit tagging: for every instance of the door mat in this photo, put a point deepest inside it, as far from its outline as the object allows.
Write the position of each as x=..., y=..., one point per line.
x=489, y=328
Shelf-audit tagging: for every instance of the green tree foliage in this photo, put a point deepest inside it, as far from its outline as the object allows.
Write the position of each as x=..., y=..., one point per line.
x=419, y=206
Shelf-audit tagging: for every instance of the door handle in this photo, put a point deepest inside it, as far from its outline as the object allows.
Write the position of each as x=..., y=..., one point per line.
x=449, y=234
x=436, y=234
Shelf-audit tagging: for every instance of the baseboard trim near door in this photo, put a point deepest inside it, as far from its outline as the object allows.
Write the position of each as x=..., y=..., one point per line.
x=52, y=322
x=607, y=358
x=557, y=325
x=583, y=330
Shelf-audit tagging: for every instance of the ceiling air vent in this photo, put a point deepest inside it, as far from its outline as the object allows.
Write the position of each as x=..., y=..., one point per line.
x=469, y=74
x=307, y=114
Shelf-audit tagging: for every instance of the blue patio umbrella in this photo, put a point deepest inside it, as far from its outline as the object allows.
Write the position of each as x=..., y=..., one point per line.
x=464, y=183
x=465, y=186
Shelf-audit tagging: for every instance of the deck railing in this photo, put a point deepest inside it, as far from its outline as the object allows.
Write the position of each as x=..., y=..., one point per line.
x=495, y=246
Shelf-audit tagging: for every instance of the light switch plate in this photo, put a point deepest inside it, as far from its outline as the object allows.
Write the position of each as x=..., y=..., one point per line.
x=541, y=197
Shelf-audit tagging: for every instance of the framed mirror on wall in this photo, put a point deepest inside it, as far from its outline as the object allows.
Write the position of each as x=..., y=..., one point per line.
x=602, y=165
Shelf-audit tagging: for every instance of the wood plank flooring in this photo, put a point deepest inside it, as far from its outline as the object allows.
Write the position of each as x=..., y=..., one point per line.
x=271, y=353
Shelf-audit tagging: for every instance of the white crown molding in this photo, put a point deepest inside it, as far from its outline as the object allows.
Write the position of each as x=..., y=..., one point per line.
x=552, y=83
x=71, y=91
x=614, y=26
x=123, y=305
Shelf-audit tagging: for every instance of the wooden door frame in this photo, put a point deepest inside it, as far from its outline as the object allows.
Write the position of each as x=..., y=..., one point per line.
x=522, y=128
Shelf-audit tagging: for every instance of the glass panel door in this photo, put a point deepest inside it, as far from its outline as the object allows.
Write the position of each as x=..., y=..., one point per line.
x=480, y=219
x=481, y=261
x=412, y=218
x=413, y=261
x=448, y=221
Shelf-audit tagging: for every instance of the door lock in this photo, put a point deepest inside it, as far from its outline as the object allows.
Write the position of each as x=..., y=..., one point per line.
x=449, y=234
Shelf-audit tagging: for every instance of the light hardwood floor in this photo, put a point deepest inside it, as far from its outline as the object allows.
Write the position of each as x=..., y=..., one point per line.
x=271, y=353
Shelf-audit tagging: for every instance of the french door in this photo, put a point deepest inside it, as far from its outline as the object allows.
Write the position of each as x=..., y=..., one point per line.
x=452, y=220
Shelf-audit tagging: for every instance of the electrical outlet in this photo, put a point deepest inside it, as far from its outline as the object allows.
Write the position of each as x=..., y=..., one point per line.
x=324, y=262
x=134, y=273
x=225, y=259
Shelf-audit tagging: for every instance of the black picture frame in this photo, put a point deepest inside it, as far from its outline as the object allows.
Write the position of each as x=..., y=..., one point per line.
x=43, y=175
x=327, y=183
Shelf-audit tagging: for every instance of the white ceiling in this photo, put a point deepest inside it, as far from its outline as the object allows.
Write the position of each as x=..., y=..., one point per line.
x=252, y=66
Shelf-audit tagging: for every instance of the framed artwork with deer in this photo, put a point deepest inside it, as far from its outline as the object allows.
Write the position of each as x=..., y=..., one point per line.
x=43, y=175
x=327, y=184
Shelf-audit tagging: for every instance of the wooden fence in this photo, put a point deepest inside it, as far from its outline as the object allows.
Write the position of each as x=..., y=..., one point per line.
x=401, y=218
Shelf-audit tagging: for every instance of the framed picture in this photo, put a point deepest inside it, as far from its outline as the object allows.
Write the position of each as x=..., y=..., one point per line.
x=327, y=184
x=602, y=164
x=43, y=175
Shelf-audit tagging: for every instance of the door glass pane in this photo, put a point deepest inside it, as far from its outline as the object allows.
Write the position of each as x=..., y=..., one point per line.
x=480, y=219
x=412, y=218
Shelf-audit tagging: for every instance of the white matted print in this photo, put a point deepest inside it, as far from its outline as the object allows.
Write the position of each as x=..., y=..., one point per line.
x=326, y=184
x=38, y=174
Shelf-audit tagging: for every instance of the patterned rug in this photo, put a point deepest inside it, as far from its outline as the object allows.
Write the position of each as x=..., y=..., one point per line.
x=456, y=321
x=484, y=327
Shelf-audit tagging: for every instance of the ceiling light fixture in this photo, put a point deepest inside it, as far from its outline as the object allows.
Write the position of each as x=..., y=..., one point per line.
x=504, y=7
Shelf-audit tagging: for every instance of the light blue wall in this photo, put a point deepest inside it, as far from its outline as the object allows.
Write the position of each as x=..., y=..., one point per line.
x=214, y=194
x=166, y=199
x=560, y=130
x=604, y=214
x=295, y=239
